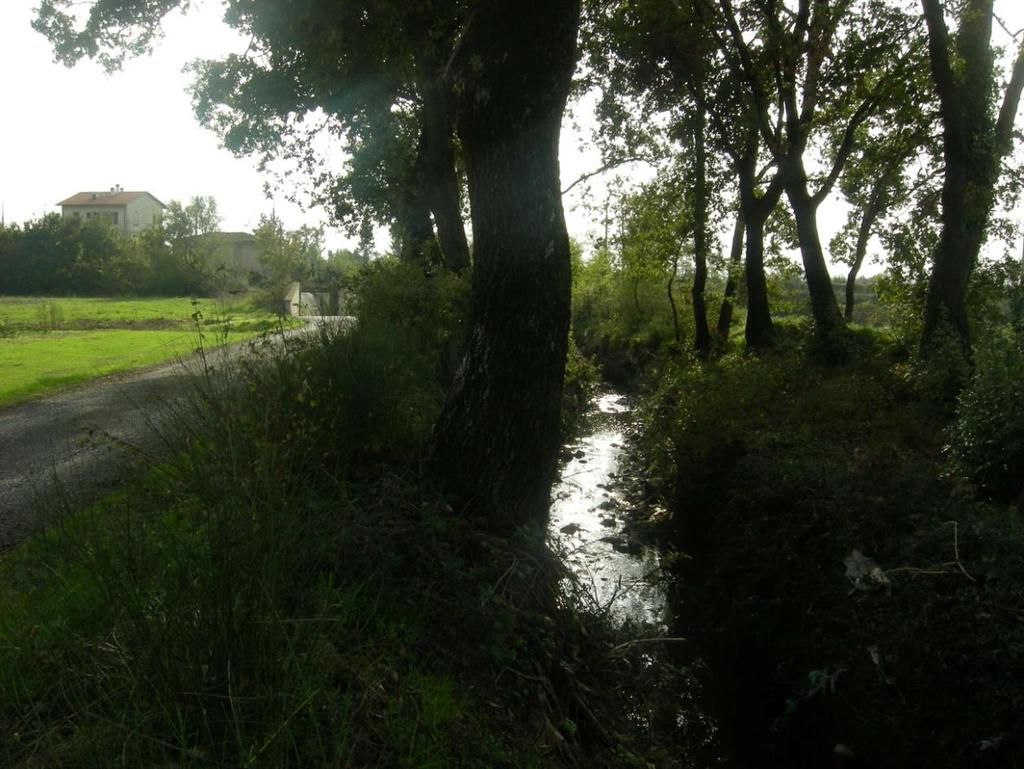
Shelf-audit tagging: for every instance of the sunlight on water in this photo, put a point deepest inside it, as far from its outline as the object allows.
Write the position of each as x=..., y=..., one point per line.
x=588, y=512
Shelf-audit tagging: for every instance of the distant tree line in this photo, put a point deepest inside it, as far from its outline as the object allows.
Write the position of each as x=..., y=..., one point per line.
x=58, y=256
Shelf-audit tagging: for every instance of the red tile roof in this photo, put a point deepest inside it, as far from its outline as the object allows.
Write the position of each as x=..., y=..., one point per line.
x=120, y=198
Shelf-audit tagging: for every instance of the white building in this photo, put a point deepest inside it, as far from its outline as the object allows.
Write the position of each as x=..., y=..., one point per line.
x=129, y=212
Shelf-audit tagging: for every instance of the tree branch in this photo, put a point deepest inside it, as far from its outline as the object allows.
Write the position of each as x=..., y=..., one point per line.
x=942, y=71
x=748, y=72
x=1006, y=29
x=1008, y=109
x=608, y=167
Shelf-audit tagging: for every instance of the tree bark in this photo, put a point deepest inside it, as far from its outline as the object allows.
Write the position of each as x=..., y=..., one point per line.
x=759, y=331
x=497, y=439
x=412, y=220
x=440, y=180
x=974, y=143
x=732, y=281
x=867, y=221
x=702, y=334
x=824, y=307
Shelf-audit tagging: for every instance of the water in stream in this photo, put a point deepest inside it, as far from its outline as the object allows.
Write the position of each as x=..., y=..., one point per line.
x=588, y=513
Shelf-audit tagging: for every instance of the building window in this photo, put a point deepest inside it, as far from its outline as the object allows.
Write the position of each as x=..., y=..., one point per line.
x=75, y=215
x=113, y=217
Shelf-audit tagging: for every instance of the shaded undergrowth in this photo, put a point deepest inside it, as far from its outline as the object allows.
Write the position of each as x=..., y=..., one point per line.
x=858, y=605
x=284, y=589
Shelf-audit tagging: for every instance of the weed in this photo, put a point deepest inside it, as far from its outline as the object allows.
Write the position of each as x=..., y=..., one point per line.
x=284, y=590
x=777, y=469
x=49, y=316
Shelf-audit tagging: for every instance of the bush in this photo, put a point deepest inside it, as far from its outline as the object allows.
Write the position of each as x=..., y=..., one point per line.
x=620, y=311
x=776, y=471
x=581, y=377
x=430, y=309
x=986, y=442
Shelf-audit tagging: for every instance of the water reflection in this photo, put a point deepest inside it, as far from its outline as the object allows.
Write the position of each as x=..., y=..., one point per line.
x=588, y=513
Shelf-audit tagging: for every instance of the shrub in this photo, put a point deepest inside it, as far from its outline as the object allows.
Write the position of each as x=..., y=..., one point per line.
x=776, y=471
x=986, y=442
x=581, y=376
x=430, y=309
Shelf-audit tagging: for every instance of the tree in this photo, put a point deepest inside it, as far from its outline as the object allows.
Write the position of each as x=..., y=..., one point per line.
x=830, y=64
x=286, y=256
x=876, y=181
x=179, y=250
x=658, y=222
x=974, y=142
x=497, y=439
x=374, y=77
x=725, y=309
x=661, y=59
x=677, y=57
x=509, y=75
x=198, y=217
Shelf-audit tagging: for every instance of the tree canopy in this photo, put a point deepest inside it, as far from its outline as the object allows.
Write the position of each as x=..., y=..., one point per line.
x=744, y=104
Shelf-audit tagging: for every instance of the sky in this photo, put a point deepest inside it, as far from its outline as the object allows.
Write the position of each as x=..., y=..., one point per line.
x=80, y=129
x=71, y=130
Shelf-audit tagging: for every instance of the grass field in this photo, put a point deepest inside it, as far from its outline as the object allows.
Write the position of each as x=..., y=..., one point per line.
x=47, y=344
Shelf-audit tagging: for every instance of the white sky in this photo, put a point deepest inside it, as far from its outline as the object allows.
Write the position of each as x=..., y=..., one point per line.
x=71, y=130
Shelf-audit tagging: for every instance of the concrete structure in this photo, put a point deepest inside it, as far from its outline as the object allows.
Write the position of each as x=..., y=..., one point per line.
x=129, y=212
x=232, y=257
x=300, y=303
x=309, y=303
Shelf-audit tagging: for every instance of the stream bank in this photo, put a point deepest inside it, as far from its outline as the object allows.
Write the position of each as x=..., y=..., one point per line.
x=605, y=530
x=791, y=484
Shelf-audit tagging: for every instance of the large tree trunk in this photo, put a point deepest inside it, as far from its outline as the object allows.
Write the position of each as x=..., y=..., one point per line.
x=440, y=180
x=952, y=262
x=974, y=143
x=867, y=221
x=732, y=281
x=702, y=334
x=824, y=307
x=759, y=331
x=497, y=439
x=415, y=233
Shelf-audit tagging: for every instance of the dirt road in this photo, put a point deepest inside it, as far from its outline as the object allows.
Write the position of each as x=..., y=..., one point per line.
x=73, y=442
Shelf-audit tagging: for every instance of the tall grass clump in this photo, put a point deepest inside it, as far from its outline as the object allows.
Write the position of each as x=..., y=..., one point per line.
x=282, y=588
x=986, y=446
x=789, y=482
x=209, y=613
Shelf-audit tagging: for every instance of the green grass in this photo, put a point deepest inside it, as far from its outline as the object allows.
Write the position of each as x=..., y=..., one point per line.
x=48, y=344
x=286, y=591
x=45, y=314
x=32, y=364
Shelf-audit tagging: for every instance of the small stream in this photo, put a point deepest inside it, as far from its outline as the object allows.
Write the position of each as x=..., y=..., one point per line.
x=590, y=517
x=589, y=511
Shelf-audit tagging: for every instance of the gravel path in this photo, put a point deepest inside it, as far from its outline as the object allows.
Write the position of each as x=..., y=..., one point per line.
x=73, y=442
